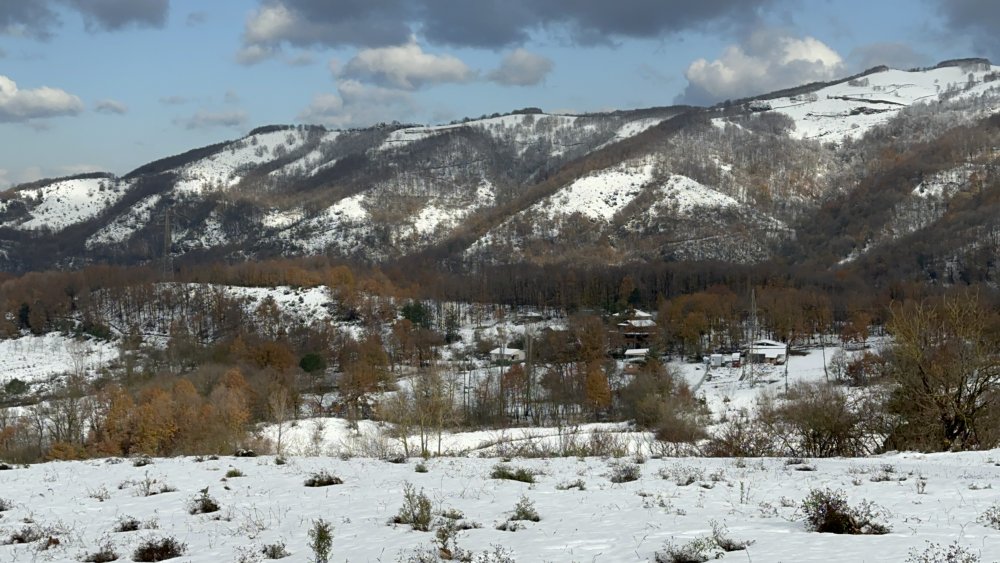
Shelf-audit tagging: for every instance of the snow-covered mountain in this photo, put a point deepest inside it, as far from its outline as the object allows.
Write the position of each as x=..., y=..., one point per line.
x=742, y=182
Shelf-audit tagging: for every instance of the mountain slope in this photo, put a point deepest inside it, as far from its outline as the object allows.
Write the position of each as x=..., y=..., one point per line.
x=826, y=174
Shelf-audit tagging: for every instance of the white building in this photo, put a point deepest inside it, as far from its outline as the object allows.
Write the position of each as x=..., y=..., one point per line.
x=505, y=354
x=768, y=351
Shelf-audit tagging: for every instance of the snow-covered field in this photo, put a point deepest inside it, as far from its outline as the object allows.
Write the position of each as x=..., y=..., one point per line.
x=38, y=358
x=923, y=498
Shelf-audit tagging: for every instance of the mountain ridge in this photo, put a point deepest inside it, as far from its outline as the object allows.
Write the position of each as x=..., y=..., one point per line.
x=738, y=182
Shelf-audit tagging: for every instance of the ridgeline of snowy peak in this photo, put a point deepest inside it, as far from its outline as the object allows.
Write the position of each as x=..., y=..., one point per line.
x=736, y=183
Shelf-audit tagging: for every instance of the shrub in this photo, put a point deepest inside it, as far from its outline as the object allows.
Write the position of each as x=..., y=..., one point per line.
x=203, y=504
x=720, y=535
x=275, y=550
x=233, y=472
x=421, y=467
x=697, y=550
x=158, y=550
x=578, y=484
x=312, y=362
x=937, y=553
x=828, y=512
x=5, y=505
x=26, y=534
x=525, y=510
x=452, y=514
x=321, y=540
x=105, y=554
x=682, y=475
x=990, y=518
x=142, y=461
x=127, y=524
x=323, y=479
x=625, y=472
x=416, y=510
x=501, y=471
x=395, y=457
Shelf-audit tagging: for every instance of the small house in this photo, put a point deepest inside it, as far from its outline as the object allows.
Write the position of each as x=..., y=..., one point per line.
x=636, y=354
x=505, y=354
x=766, y=351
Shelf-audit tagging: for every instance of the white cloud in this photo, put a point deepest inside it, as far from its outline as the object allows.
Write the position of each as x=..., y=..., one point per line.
x=205, y=119
x=253, y=54
x=18, y=105
x=521, y=68
x=406, y=66
x=766, y=61
x=110, y=107
x=358, y=105
x=270, y=24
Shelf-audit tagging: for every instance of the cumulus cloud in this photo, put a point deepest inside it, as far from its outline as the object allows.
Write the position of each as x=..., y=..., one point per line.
x=521, y=68
x=764, y=62
x=358, y=105
x=310, y=23
x=18, y=105
x=489, y=24
x=207, y=119
x=38, y=18
x=893, y=55
x=110, y=107
x=979, y=19
x=406, y=67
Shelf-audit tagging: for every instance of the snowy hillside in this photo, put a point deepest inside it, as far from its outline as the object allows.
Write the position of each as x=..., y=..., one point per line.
x=225, y=168
x=36, y=359
x=851, y=108
x=618, y=187
x=61, y=204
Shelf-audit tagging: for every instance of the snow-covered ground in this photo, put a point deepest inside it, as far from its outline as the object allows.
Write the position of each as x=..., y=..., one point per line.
x=599, y=195
x=39, y=358
x=726, y=389
x=685, y=195
x=67, y=202
x=923, y=498
x=850, y=109
x=224, y=168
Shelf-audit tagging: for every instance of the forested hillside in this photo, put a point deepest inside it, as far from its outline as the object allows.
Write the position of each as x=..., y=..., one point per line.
x=890, y=174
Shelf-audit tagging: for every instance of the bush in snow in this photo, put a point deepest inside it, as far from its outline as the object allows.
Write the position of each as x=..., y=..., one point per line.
x=323, y=478
x=416, y=510
x=321, y=540
x=624, y=472
x=501, y=471
x=105, y=554
x=158, y=550
x=275, y=550
x=525, y=510
x=827, y=511
x=203, y=504
x=697, y=550
x=990, y=518
x=937, y=553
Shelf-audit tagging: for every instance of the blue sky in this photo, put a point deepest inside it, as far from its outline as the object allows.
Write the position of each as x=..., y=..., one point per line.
x=108, y=85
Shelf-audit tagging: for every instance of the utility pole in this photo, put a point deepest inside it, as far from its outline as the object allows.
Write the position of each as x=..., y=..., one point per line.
x=167, y=269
